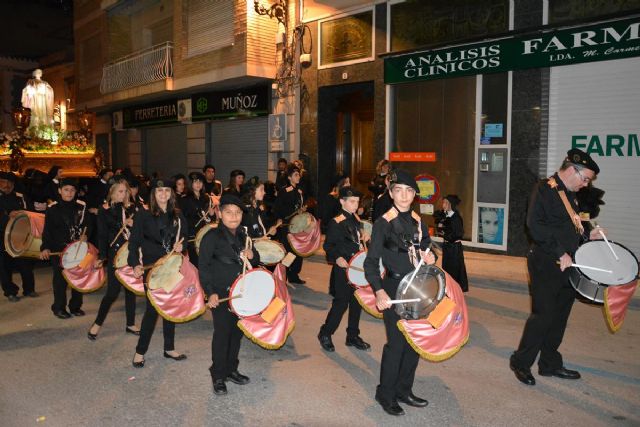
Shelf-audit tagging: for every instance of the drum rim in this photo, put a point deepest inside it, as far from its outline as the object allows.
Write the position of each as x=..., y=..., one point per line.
x=235, y=282
x=70, y=244
x=610, y=241
x=442, y=291
x=124, y=245
x=348, y=269
x=267, y=240
x=7, y=234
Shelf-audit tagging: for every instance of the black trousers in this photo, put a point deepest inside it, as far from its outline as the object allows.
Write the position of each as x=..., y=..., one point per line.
x=225, y=343
x=293, y=271
x=552, y=298
x=399, y=359
x=113, y=290
x=343, y=298
x=148, y=325
x=8, y=287
x=453, y=263
x=60, y=289
x=24, y=266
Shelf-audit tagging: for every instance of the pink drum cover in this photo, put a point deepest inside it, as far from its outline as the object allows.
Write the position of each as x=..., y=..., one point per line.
x=443, y=343
x=85, y=281
x=37, y=223
x=367, y=299
x=616, y=300
x=305, y=243
x=128, y=280
x=185, y=302
x=272, y=336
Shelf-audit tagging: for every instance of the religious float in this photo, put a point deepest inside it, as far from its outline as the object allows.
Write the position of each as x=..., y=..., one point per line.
x=48, y=135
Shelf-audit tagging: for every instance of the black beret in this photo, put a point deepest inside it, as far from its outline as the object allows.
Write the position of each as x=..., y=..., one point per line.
x=231, y=199
x=161, y=183
x=453, y=199
x=196, y=176
x=579, y=157
x=68, y=181
x=349, y=192
x=400, y=176
x=9, y=176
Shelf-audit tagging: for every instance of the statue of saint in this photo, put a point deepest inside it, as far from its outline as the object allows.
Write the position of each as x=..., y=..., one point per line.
x=38, y=96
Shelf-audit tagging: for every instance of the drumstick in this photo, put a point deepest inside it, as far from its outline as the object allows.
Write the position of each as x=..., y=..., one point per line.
x=230, y=298
x=353, y=267
x=84, y=232
x=607, y=242
x=587, y=267
x=55, y=253
x=403, y=301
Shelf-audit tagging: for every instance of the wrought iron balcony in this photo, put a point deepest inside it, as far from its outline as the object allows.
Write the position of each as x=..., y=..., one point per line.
x=139, y=68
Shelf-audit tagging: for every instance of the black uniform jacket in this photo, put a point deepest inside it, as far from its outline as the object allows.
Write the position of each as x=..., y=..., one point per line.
x=289, y=200
x=342, y=237
x=156, y=235
x=194, y=208
x=252, y=219
x=64, y=223
x=8, y=203
x=214, y=187
x=452, y=228
x=109, y=224
x=550, y=226
x=219, y=261
x=381, y=205
x=392, y=235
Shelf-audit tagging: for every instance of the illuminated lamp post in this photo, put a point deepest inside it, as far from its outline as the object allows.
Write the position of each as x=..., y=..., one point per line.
x=21, y=118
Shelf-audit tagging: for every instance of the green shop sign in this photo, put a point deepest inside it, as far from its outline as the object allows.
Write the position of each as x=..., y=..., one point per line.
x=614, y=145
x=601, y=42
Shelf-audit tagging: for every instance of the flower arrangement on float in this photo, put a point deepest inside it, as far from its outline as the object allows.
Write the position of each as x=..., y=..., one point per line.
x=8, y=141
x=46, y=140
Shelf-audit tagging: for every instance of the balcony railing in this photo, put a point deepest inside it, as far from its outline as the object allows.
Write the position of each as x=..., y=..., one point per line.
x=139, y=68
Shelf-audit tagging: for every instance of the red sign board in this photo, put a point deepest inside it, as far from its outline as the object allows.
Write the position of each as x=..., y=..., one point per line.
x=412, y=156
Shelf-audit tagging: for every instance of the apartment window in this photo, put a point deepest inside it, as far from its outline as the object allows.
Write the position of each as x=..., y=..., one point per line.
x=210, y=25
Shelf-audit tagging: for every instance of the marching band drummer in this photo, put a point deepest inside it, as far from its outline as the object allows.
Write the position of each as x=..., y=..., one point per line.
x=222, y=255
x=156, y=233
x=64, y=223
x=198, y=209
x=136, y=199
x=115, y=219
x=290, y=201
x=344, y=234
x=399, y=238
x=255, y=217
x=13, y=201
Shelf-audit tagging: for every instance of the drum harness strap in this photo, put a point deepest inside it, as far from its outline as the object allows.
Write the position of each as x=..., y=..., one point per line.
x=573, y=216
x=400, y=235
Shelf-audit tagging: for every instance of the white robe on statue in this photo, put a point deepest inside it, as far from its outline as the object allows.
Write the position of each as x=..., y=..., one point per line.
x=38, y=96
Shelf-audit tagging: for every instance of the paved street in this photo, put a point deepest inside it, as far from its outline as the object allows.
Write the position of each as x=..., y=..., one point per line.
x=52, y=375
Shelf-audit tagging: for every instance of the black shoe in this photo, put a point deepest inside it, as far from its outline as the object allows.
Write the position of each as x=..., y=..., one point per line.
x=219, y=387
x=296, y=281
x=13, y=298
x=61, y=314
x=522, y=374
x=139, y=364
x=131, y=331
x=564, y=373
x=79, y=312
x=178, y=357
x=413, y=400
x=91, y=336
x=358, y=343
x=33, y=294
x=237, y=378
x=325, y=342
x=391, y=408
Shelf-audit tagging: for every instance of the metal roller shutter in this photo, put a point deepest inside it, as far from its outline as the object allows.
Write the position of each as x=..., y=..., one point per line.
x=239, y=144
x=165, y=150
x=597, y=104
x=209, y=25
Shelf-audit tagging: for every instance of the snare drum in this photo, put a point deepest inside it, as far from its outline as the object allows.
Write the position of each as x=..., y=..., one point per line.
x=200, y=234
x=271, y=252
x=355, y=271
x=74, y=254
x=121, y=256
x=302, y=222
x=22, y=236
x=166, y=273
x=252, y=292
x=596, y=253
x=428, y=284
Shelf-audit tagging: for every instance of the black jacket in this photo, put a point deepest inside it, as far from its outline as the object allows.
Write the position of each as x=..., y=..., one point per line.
x=255, y=219
x=289, y=200
x=155, y=235
x=109, y=224
x=342, y=237
x=451, y=228
x=64, y=223
x=193, y=210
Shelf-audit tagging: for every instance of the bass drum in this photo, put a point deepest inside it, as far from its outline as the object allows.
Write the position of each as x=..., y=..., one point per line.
x=591, y=284
x=252, y=292
x=270, y=252
x=22, y=236
x=302, y=222
x=428, y=284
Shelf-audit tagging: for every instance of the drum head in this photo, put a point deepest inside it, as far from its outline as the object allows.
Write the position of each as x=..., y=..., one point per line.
x=596, y=253
x=74, y=254
x=301, y=222
x=200, y=234
x=253, y=292
x=428, y=285
x=355, y=276
x=367, y=227
x=270, y=252
x=18, y=236
x=166, y=274
x=121, y=256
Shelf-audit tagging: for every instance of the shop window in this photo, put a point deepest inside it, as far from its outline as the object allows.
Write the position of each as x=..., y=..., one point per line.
x=581, y=10
x=439, y=116
x=417, y=23
x=493, y=124
x=346, y=40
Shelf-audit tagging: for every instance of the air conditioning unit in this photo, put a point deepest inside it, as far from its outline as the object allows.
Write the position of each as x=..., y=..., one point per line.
x=117, y=120
x=184, y=110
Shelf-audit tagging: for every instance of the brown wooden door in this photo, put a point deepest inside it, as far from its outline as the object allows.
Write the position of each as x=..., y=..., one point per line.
x=362, y=155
